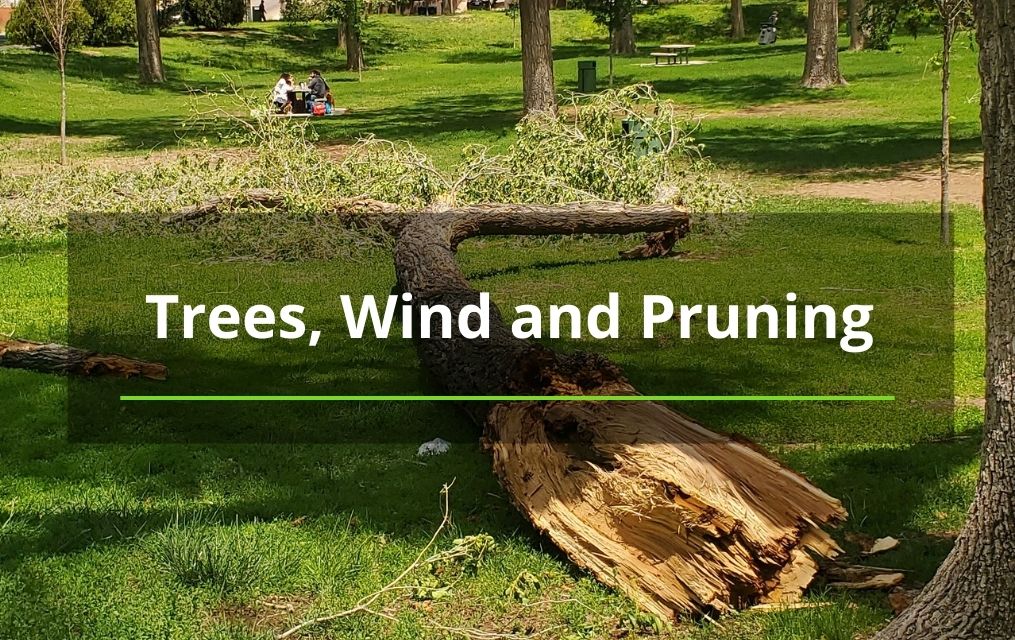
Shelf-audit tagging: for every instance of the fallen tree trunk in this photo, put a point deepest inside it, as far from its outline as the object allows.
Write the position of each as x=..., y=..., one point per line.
x=61, y=359
x=681, y=519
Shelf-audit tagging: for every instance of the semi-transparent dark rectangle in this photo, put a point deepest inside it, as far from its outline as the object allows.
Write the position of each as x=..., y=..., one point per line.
x=892, y=261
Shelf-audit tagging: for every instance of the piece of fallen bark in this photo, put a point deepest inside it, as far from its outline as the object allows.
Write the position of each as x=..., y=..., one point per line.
x=837, y=572
x=881, y=545
x=880, y=581
x=901, y=599
x=62, y=359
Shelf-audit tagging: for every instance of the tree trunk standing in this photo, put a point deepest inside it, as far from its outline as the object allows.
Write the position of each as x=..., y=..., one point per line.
x=857, y=39
x=737, y=19
x=340, y=35
x=821, y=66
x=972, y=596
x=149, y=47
x=353, y=47
x=622, y=40
x=62, y=61
x=946, y=152
x=537, y=57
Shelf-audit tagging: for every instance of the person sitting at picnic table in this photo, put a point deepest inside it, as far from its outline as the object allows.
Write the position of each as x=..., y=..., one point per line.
x=318, y=88
x=280, y=94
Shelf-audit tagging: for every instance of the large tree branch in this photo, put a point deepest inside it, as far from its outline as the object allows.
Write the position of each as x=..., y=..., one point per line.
x=61, y=359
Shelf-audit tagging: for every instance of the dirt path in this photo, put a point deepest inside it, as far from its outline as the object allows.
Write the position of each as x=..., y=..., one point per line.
x=911, y=184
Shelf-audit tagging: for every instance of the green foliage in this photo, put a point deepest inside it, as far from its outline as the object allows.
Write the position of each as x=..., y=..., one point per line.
x=586, y=154
x=27, y=25
x=608, y=13
x=302, y=11
x=113, y=22
x=213, y=14
x=523, y=587
x=882, y=19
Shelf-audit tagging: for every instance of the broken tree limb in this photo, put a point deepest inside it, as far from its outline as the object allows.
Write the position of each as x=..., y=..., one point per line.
x=61, y=359
x=363, y=213
x=681, y=519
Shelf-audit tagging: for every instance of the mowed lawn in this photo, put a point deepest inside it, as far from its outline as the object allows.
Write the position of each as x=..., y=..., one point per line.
x=445, y=83
x=163, y=540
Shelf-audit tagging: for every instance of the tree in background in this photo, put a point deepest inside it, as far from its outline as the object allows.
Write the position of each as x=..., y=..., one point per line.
x=821, y=65
x=883, y=17
x=857, y=37
x=212, y=14
x=350, y=15
x=511, y=11
x=537, y=57
x=972, y=595
x=149, y=43
x=55, y=25
x=954, y=15
x=617, y=17
x=113, y=22
x=622, y=42
x=737, y=19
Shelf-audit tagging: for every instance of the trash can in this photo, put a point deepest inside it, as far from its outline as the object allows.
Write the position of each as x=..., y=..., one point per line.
x=586, y=76
x=643, y=141
x=256, y=14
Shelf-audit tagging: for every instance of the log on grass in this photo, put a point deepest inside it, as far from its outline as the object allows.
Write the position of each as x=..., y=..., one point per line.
x=62, y=359
x=681, y=519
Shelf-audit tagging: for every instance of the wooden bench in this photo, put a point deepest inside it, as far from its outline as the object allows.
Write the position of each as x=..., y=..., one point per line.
x=673, y=53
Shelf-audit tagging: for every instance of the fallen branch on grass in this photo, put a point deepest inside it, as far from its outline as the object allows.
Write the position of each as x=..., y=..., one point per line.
x=363, y=213
x=679, y=518
x=61, y=359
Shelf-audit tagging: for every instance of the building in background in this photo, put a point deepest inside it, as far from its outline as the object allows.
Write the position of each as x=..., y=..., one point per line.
x=272, y=10
x=6, y=9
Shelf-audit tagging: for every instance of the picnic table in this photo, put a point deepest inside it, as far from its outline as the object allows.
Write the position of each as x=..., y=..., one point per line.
x=673, y=53
x=298, y=99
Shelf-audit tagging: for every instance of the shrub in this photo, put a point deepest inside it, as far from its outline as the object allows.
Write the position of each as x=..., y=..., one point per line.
x=28, y=27
x=113, y=22
x=213, y=14
x=304, y=10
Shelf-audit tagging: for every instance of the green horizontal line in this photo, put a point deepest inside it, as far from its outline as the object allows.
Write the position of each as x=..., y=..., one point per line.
x=256, y=398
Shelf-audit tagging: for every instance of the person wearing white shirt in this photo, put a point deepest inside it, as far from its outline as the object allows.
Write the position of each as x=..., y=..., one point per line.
x=280, y=94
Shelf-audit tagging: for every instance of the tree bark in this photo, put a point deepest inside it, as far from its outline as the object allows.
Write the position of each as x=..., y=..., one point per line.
x=61, y=359
x=679, y=518
x=537, y=57
x=946, y=138
x=622, y=40
x=62, y=62
x=340, y=35
x=737, y=19
x=972, y=596
x=353, y=47
x=149, y=47
x=821, y=66
x=857, y=38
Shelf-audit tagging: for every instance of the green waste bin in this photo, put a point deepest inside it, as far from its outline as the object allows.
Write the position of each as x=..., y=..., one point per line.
x=642, y=138
x=586, y=76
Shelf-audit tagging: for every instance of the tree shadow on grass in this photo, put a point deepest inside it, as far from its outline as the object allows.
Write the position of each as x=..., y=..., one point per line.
x=765, y=146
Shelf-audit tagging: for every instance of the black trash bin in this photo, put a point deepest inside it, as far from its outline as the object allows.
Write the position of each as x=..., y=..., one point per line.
x=586, y=76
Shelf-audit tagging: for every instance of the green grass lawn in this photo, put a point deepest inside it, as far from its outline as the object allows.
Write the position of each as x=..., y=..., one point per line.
x=446, y=82
x=158, y=539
